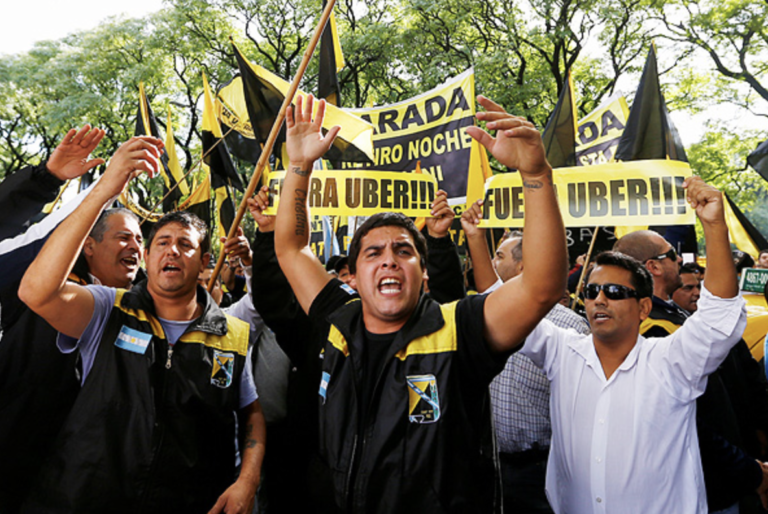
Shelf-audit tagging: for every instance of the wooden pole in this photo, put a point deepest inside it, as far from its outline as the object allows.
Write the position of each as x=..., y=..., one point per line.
x=584, y=270
x=267, y=150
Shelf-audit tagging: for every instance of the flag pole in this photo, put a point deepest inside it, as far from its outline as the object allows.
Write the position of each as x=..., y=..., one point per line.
x=584, y=270
x=270, y=143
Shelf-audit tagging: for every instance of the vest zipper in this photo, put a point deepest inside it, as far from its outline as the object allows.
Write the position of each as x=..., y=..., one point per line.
x=170, y=354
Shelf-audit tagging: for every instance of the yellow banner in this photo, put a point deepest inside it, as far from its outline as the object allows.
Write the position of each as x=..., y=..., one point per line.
x=362, y=193
x=599, y=133
x=615, y=194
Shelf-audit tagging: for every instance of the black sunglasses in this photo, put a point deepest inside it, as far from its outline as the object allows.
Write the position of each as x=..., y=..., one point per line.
x=669, y=254
x=612, y=291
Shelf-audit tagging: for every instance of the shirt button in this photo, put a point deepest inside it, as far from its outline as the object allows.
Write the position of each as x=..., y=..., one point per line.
x=602, y=422
x=599, y=460
x=599, y=500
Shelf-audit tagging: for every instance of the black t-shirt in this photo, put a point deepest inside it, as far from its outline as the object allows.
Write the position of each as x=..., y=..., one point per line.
x=376, y=349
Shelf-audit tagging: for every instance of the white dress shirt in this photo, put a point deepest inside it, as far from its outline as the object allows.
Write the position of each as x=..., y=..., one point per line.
x=628, y=444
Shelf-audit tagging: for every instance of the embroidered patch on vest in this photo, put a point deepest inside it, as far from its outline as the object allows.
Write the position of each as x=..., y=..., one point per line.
x=423, y=402
x=324, y=385
x=133, y=340
x=223, y=369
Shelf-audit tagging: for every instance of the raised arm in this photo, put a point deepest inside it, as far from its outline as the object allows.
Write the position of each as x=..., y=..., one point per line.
x=446, y=280
x=23, y=194
x=720, y=279
x=44, y=288
x=485, y=274
x=513, y=310
x=305, y=144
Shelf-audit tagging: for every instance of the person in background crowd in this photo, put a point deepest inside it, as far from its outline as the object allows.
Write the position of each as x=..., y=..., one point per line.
x=520, y=393
x=742, y=260
x=687, y=295
x=762, y=259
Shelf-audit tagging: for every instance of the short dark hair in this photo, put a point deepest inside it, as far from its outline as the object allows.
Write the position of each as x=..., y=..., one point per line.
x=517, y=250
x=691, y=267
x=387, y=219
x=100, y=227
x=642, y=281
x=185, y=219
x=742, y=260
x=764, y=250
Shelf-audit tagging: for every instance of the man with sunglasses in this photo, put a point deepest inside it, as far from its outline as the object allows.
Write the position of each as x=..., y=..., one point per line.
x=622, y=406
x=724, y=420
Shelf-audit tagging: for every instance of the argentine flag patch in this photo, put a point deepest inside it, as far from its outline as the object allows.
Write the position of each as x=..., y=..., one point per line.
x=324, y=385
x=133, y=340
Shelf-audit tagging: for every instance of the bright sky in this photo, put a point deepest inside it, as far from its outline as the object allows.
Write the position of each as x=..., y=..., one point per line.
x=27, y=21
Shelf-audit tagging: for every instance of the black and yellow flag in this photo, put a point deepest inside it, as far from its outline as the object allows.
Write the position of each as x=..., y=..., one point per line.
x=743, y=233
x=264, y=93
x=650, y=133
x=331, y=62
x=199, y=201
x=146, y=125
x=559, y=135
x=219, y=164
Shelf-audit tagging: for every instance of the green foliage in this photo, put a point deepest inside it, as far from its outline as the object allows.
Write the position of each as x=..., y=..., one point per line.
x=521, y=51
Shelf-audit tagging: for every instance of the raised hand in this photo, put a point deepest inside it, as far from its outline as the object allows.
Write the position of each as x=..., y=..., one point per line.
x=238, y=247
x=705, y=199
x=470, y=218
x=517, y=143
x=257, y=205
x=70, y=159
x=440, y=224
x=305, y=142
x=139, y=154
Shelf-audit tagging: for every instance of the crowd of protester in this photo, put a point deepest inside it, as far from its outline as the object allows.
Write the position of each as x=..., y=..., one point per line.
x=376, y=383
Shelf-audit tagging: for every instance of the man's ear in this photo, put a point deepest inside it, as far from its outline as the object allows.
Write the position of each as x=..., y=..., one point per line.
x=206, y=259
x=653, y=266
x=646, y=304
x=88, y=246
x=353, y=282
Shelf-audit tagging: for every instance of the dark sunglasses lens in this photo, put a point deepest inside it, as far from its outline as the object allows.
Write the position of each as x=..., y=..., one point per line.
x=611, y=291
x=591, y=291
x=672, y=254
x=615, y=292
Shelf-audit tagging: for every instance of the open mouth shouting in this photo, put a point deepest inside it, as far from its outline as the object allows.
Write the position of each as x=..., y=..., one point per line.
x=130, y=262
x=171, y=269
x=390, y=286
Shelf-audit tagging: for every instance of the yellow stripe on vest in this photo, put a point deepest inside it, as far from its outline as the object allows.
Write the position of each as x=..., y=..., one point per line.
x=649, y=323
x=338, y=341
x=444, y=340
x=235, y=340
x=157, y=328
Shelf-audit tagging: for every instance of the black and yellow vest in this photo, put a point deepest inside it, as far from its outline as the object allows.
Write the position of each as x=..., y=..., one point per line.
x=427, y=444
x=151, y=430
